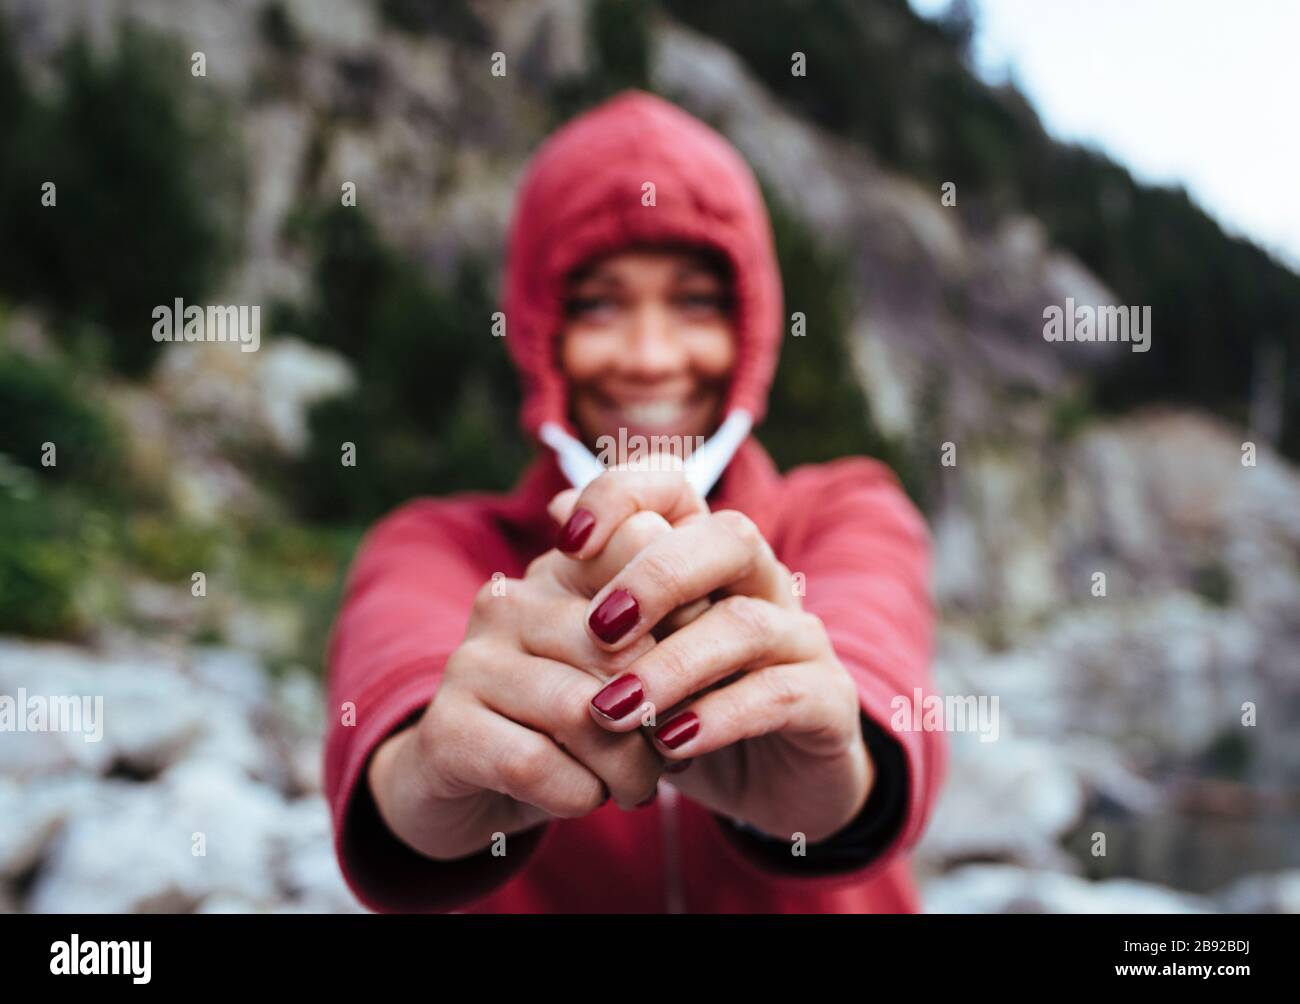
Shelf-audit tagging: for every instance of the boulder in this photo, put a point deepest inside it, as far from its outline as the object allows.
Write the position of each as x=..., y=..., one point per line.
x=990, y=888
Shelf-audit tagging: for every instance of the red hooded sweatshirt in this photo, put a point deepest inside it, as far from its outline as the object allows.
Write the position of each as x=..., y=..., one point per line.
x=860, y=545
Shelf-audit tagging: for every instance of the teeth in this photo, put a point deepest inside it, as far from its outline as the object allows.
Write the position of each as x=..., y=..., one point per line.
x=653, y=412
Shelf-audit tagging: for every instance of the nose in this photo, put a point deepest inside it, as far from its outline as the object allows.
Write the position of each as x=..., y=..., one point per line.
x=653, y=347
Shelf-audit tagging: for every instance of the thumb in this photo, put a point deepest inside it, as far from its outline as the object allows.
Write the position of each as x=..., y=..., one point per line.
x=561, y=507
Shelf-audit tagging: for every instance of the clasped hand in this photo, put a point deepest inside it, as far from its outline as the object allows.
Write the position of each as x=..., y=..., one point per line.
x=664, y=638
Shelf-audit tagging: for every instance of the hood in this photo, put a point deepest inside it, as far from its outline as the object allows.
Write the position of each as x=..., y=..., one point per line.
x=581, y=196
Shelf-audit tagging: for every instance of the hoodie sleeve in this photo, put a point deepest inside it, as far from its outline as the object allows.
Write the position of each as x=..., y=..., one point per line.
x=863, y=551
x=404, y=611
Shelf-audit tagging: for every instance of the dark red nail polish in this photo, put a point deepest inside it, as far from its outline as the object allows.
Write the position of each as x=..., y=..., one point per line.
x=615, y=616
x=677, y=766
x=680, y=729
x=619, y=697
x=575, y=532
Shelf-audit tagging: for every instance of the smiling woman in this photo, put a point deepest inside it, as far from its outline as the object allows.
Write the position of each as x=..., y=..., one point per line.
x=648, y=343
x=528, y=671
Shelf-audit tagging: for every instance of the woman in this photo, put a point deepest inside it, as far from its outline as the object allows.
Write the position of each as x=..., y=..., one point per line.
x=605, y=693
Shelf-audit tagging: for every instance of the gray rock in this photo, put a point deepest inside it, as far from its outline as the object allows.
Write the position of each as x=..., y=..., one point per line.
x=307, y=865
x=1009, y=889
x=292, y=377
x=138, y=851
x=1278, y=892
x=1009, y=800
x=31, y=815
x=210, y=747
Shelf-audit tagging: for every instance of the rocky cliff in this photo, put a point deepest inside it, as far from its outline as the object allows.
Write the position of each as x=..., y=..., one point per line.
x=1120, y=711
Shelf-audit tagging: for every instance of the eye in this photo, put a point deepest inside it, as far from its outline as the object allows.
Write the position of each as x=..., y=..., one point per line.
x=703, y=302
x=590, y=307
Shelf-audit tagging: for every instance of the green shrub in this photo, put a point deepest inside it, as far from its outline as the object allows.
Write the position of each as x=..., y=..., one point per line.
x=147, y=183
x=1212, y=581
x=1229, y=754
x=619, y=44
x=45, y=402
x=619, y=37
x=1070, y=413
x=817, y=409
x=304, y=567
x=43, y=566
x=170, y=550
x=436, y=408
x=277, y=29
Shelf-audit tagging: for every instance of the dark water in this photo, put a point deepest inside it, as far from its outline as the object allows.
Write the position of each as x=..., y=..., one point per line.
x=1191, y=851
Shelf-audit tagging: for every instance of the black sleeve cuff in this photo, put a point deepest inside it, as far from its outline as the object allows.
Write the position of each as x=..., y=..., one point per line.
x=862, y=840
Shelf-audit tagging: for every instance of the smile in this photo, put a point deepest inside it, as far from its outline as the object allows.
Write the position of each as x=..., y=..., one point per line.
x=656, y=413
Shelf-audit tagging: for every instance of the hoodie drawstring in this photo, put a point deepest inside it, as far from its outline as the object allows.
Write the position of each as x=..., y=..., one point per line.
x=702, y=468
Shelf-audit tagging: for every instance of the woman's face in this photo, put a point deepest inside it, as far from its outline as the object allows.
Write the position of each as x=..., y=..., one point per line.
x=648, y=344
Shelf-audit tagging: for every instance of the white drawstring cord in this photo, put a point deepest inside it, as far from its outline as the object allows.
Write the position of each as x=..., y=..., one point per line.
x=702, y=468
x=576, y=461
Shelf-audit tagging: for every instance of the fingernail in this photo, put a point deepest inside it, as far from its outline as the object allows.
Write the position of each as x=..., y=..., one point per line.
x=619, y=697
x=615, y=616
x=680, y=729
x=677, y=766
x=575, y=532
x=649, y=801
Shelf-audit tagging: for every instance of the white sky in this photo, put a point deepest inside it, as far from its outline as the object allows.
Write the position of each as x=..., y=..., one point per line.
x=1205, y=93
